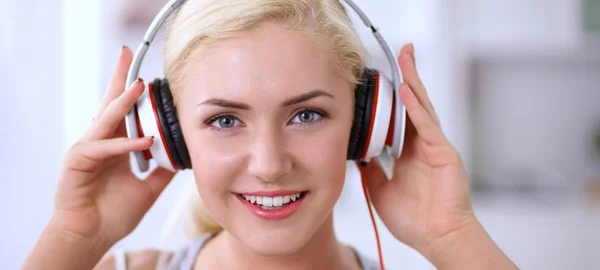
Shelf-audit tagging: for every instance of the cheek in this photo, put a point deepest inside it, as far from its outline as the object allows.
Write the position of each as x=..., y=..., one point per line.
x=215, y=168
x=324, y=155
x=215, y=173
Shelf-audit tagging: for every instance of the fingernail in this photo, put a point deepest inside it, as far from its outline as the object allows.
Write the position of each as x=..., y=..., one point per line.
x=149, y=137
x=138, y=80
x=411, y=49
x=123, y=47
x=407, y=48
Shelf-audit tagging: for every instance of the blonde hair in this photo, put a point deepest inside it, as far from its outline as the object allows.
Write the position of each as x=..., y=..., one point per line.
x=199, y=22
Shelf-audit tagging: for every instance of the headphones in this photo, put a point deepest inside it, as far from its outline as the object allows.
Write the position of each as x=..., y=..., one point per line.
x=379, y=115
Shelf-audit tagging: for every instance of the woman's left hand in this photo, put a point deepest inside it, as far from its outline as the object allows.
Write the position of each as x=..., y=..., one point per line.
x=428, y=197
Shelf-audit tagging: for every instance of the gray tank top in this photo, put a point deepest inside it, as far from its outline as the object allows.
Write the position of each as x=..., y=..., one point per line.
x=183, y=259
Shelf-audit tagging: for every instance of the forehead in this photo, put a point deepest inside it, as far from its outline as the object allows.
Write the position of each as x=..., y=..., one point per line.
x=268, y=60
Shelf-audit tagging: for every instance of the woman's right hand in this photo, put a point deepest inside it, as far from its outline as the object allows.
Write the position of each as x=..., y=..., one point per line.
x=98, y=198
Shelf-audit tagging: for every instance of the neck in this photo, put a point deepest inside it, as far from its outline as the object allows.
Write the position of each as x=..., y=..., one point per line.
x=322, y=251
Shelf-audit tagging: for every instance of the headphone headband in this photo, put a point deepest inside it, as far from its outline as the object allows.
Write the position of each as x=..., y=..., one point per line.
x=172, y=5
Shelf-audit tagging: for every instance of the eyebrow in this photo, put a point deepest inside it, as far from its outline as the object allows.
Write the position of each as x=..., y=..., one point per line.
x=225, y=103
x=292, y=101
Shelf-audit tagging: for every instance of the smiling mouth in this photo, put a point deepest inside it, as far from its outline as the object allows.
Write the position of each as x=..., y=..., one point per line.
x=273, y=203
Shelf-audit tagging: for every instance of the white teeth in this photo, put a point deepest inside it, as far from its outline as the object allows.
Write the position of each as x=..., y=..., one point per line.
x=267, y=201
x=277, y=201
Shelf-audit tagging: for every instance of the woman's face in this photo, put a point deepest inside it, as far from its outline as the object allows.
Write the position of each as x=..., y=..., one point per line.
x=266, y=118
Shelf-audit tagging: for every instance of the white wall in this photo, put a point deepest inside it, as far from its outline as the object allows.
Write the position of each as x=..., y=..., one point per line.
x=513, y=24
x=537, y=118
x=32, y=128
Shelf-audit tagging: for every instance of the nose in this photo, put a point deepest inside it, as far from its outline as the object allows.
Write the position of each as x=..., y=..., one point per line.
x=269, y=160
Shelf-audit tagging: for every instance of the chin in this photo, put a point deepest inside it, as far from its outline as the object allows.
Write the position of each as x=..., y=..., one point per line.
x=274, y=242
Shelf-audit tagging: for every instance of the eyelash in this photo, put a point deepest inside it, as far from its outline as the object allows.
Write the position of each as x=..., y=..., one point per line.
x=320, y=113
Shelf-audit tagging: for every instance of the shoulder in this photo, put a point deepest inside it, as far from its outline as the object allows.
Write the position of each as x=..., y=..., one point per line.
x=133, y=260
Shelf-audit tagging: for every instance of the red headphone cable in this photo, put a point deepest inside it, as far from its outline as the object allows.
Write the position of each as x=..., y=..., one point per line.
x=361, y=168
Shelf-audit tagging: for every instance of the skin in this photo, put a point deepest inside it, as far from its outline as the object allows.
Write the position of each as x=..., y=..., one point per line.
x=425, y=205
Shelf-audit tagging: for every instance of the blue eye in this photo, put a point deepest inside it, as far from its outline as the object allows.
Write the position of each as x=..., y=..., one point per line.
x=224, y=122
x=307, y=117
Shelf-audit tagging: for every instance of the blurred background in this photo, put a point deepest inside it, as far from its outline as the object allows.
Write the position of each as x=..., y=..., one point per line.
x=516, y=84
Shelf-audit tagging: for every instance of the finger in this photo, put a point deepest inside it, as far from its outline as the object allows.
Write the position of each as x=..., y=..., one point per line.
x=158, y=180
x=115, y=112
x=406, y=61
x=121, y=130
x=410, y=49
x=421, y=119
x=87, y=157
x=117, y=82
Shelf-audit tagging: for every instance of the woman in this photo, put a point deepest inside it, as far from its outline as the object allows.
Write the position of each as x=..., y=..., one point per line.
x=264, y=94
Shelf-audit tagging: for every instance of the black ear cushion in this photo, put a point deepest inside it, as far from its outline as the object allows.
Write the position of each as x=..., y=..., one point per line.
x=364, y=95
x=164, y=123
x=170, y=124
x=173, y=122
